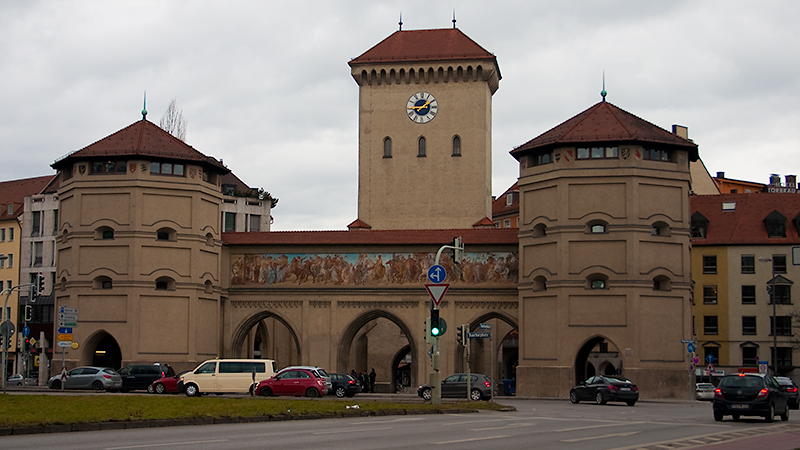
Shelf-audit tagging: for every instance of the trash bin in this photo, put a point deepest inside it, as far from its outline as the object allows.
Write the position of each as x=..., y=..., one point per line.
x=509, y=387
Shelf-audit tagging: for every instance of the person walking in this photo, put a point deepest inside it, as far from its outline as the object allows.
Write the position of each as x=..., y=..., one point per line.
x=372, y=381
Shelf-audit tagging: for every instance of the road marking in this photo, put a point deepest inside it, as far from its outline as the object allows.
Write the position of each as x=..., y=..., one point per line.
x=164, y=444
x=629, y=433
x=351, y=430
x=470, y=440
x=404, y=419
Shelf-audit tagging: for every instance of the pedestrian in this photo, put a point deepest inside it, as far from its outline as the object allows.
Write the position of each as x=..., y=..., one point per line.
x=372, y=381
x=362, y=377
x=354, y=374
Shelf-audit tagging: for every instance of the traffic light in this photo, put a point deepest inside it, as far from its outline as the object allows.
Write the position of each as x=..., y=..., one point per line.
x=5, y=343
x=428, y=337
x=462, y=333
x=28, y=313
x=436, y=329
x=40, y=284
x=458, y=249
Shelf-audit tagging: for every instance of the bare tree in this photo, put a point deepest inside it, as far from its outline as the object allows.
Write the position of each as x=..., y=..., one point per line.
x=173, y=122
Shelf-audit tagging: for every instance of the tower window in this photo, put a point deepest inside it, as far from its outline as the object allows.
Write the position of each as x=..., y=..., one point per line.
x=456, y=146
x=387, y=147
x=421, y=146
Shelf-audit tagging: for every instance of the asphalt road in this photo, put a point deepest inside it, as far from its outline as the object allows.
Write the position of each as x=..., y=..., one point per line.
x=545, y=424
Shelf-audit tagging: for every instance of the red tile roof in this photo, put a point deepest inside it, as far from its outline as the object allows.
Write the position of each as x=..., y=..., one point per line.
x=605, y=122
x=475, y=236
x=485, y=222
x=142, y=138
x=500, y=206
x=15, y=191
x=744, y=225
x=359, y=224
x=444, y=44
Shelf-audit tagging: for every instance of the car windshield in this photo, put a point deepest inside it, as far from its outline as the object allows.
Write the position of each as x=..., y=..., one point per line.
x=618, y=380
x=737, y=381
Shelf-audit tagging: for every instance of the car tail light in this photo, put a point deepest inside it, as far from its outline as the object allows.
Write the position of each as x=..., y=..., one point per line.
x=792, y=389
x=351, y=382
x=635, y=388
x=487, y=384
x=107, y=377
x=762, y=393
x=613, y=388
x=718, y=393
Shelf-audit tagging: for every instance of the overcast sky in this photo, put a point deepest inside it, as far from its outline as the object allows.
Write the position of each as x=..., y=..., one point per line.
x=265, y=85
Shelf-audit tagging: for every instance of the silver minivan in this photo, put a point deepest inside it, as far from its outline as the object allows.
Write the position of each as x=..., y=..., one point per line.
x=227, y=376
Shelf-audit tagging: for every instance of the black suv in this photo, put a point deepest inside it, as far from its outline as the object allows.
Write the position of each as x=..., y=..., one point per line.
x=139, y=376
x=750, y=394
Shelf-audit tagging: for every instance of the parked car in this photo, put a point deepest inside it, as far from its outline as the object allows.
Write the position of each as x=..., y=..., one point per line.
x=788, y=386
x=166, y=385
x=221, y=376
x=296, y=382
x=140, y=376
x=704, y=391
x=344, y=385
x=319, y=371
x=88, y=377
x=750, y=394
x=20, y=380
x=604, y=389
x=456, y=386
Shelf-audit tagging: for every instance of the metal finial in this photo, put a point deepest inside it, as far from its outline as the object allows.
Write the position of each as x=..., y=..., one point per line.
x=401, y=22
x=144, y=107
x=454, y=18
x=603, y=93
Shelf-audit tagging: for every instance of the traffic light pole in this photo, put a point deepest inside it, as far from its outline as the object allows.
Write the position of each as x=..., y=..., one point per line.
x=435, y=378
x=7, y=336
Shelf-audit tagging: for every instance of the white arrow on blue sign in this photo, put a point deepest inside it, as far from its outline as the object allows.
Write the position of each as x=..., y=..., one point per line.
x=690, y=348
x=65, y=330
x=437, y=274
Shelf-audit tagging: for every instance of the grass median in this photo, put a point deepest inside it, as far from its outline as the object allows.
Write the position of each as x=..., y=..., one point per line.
x=33, y=410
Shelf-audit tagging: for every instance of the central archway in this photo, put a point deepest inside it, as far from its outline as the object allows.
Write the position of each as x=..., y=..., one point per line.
x=353, y=334
x=257, y=322
x=598, y=356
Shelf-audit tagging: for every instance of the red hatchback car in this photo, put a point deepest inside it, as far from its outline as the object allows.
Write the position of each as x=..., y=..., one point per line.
x=296, y=382
x=166, y=385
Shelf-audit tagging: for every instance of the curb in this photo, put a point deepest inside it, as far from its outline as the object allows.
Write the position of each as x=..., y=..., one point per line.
x=158, y=423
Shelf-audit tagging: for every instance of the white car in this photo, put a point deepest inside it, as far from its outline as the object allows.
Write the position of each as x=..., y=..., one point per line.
x=704, y=391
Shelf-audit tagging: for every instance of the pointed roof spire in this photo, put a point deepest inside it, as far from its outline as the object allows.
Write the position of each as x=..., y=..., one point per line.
x=454, y=17
x=144, y=107
x=603, y=93
x=401, y=22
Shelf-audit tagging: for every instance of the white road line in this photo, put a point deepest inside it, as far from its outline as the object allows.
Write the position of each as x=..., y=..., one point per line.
x=351, y=430
x=629, y=433
x=470, y=440
x=164, y=444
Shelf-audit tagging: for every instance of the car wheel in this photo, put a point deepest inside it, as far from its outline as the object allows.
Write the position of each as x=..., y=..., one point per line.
x=191, y=390
x=160, y=389
x=97, y=386
x=631, y=402
x=718, y=416
x=340, y=391
x=311, y=392
x=573, y=397
x=150, y=389
x=266, y=392
x=770, y=415
x=56, y=384
x=598, y=398
x=427, y=394
x=785, y=415
x=475, y=395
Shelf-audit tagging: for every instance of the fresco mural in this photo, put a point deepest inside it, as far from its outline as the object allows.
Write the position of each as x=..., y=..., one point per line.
x=354, y=269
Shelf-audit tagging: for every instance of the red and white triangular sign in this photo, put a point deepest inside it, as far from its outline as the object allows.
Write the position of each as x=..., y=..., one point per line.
x=437, y=291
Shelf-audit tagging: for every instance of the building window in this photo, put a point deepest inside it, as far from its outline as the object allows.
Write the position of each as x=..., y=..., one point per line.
x=421, y=147
x=387, y=147
x=784, y=356
x=699, y=226
x=37, y=254
x=103, y=282
x=749, y=325
x=456, y=146
x=497, y=224
x=597, y=281
x=748, y=264
x=709, y=295
x=10, y=231
x=750, y=356
x=166, y=234
x=165, y=284
x=660, y=229
x=36, y=226
x=776, y=224
x=652, y=154
x=10, y=261
x=782, y=326
x=104, y=233
x=598, y=284
x=783, y=295
x=507, y=223
x=108, y=167
x=167, y=169
x=748, y=295
x=229, y=222
x=254, y=223
x=597, y=152
x=542, y=158
x=509, y=199
x=779, y=263
x=710, y=264
x=661, y=283
x=710, y=325
x=2, y=234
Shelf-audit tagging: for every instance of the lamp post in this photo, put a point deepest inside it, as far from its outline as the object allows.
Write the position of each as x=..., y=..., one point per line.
x=771, y=290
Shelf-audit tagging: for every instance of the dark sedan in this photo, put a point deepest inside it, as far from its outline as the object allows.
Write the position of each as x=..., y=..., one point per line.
x=750, y=394
x=788, y=386
x=456, y=386
x=344, y=385
x=604, y=389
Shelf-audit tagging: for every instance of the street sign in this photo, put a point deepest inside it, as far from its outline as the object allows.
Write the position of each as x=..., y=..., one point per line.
x=67, y=317
x=688, y=341
x=437, y=291
x=437, y=274
x=64, y=309
x=485, y=326
x=479, y=334
x=65, y=330
x=7, y=328
x=33, y=341
x=690, y=348
x=710, y=358
x=64, y=337
x=695, y=360
x=62, y=323
x=26, y=331
x=65, y=343
x=762, y=367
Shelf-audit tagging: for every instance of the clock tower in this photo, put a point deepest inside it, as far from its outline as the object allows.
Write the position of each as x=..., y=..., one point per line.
x=425, y=131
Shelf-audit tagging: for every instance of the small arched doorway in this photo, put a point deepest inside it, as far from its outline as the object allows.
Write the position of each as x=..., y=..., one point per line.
x=597, y=356
x=102, y=350
x=266, y=335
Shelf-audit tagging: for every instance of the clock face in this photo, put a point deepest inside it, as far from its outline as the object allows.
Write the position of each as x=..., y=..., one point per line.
x=422, y=107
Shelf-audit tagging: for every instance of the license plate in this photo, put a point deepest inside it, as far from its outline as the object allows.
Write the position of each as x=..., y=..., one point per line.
x=740, y=406
x=624, y=389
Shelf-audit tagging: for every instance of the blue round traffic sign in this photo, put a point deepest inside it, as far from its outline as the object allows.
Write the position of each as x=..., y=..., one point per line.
x=710, y=358
x=437, y=274
x=26, y=331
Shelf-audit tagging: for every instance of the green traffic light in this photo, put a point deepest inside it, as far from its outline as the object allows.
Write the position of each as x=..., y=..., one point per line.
x=435, y=331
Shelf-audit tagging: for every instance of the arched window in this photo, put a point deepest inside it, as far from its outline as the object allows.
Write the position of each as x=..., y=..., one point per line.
x=597, y=227
x=597, y=281
x=421, y=145
x=166, y=234
x=661, y=283
x=209, y=288
x=102, y=282
x=540, y=230
x=539, y=283
x=456, y=146
x=209, y=239
x=387, y=147
x=660, y=229
x=104, y=233
x=165, y=284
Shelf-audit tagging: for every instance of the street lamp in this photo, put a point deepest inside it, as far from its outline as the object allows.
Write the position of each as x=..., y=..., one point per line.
x=771, y=290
